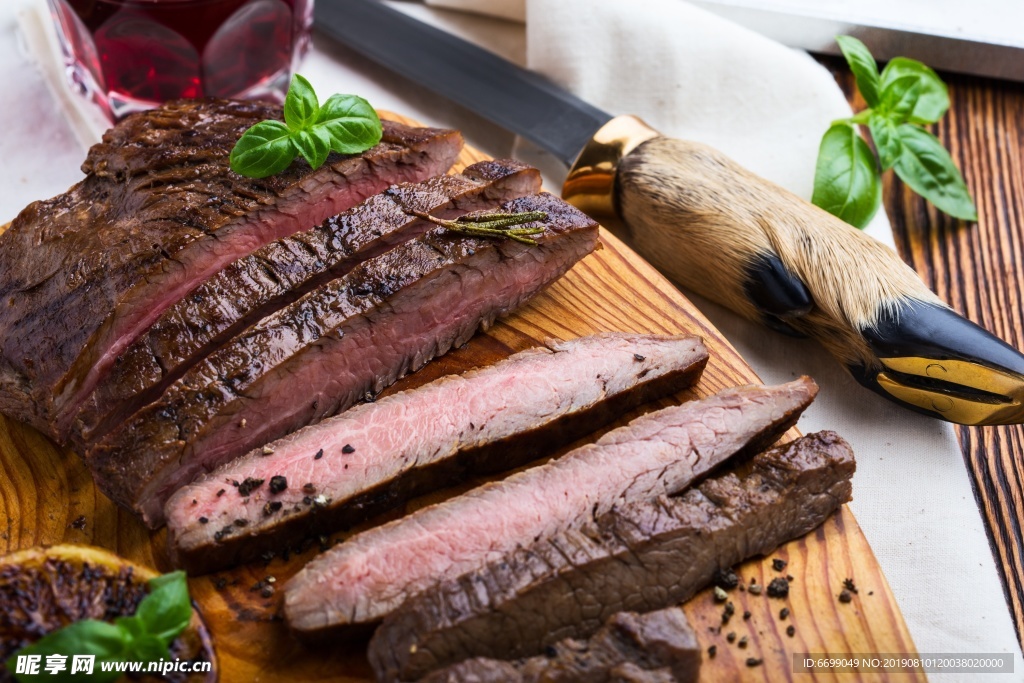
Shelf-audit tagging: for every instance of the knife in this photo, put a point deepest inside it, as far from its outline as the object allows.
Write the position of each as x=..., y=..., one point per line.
x=717, y=229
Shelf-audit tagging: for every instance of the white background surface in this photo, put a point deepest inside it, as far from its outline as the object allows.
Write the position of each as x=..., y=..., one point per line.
x=913, y=497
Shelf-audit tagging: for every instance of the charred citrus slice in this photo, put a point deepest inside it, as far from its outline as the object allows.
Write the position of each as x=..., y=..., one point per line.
x=44, y=589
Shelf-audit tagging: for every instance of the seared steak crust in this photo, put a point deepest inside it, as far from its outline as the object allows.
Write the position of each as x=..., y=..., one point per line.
x=658, y=647
x=159, y=211
x=280, y=272
x=378, y=455
x=374, y=572
x=334, y=346
x=566, y=586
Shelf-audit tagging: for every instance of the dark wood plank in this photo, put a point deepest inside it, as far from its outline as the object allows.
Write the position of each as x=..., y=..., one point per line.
x=979, y=270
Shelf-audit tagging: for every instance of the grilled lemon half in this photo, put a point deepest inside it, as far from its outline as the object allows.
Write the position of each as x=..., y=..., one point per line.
x=46, y=588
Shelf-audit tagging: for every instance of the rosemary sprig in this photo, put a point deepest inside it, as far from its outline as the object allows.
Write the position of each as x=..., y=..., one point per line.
x=493, y=224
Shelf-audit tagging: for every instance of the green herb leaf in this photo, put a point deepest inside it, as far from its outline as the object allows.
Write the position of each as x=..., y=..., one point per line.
x=167, y=610
x=351, y=123
x=864, y=68
x=887, y=140
x=927, y=168
x=89, y=637
x=301, y=106
x=933, y=97
x=314, y=146
x=345, y=124
x=148, y=648
x=899, y=97
x=264, y=150
x=846, y=180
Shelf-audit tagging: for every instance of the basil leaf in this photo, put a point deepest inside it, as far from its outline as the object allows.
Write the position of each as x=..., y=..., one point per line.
x=148, y=648
x=104, y=641
x=167, y=610
x=301, y=106
x=899, y=97
x=131, y=626
x=887, y=141
x=351, y=124
x=846, y=180
x=263, y=150
x=314, y=145
x=863, y=66
x=927, y=168
x=933, y=99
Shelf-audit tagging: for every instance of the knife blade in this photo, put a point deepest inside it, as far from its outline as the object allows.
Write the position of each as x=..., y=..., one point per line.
x=717, y=229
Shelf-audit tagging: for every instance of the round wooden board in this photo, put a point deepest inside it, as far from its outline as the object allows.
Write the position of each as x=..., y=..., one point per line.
x=47, y=496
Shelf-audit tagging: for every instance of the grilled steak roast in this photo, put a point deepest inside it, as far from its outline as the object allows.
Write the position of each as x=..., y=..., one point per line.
x=641, y=556
x=374, y=572
x=159, y=211
x=378, y=455
x=279, y=273
x=322, y=353
x=657, y=647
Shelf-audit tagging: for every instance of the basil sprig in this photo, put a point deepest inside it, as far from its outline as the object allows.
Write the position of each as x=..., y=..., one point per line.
x=901, y=99
x=346, y=124
x=143, y=637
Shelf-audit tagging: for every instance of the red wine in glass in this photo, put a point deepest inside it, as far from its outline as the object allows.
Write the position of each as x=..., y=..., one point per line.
x=130, y=55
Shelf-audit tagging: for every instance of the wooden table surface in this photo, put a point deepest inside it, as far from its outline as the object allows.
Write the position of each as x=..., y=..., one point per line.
x=979, y=269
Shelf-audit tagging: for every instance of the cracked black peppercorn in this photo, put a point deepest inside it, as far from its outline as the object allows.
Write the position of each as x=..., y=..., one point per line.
x=778, y=588
x=726, y=579
x=278, y=484
x=249, y=485
x=347, y=449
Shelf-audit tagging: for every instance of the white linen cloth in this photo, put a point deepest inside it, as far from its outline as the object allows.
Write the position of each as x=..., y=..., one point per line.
x=693, y=75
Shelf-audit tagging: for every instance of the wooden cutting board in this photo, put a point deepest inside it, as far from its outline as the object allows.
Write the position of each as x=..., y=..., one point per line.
x=47, y=497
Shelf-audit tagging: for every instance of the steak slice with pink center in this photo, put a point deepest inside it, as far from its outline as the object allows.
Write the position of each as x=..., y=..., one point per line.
x=341, y=342
x=279, y=273
x=159, y=211
x=638, y=557
x=373, y=573
x=378, y=455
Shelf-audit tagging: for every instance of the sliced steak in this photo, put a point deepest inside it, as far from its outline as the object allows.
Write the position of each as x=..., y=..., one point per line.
x=378, y=455
x=277, y=274
x=639, y=557
x=159, y=211
x=657, y=647
x=336, y=345
x=374, y=572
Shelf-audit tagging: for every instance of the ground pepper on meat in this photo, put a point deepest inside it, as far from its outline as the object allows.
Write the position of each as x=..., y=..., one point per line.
x=778, y=564
x=278, y=483
x=348, y=449
x=249, y=485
